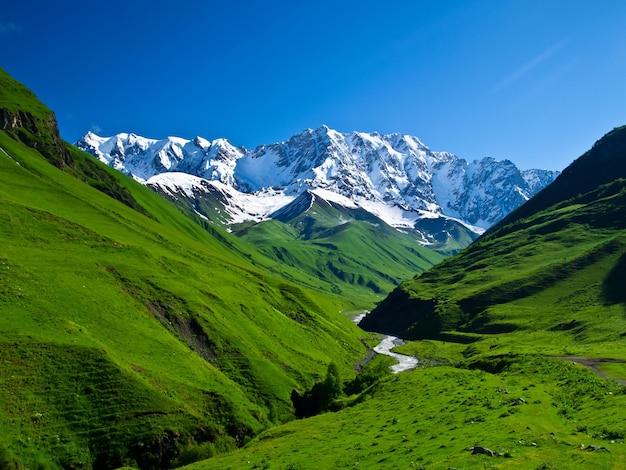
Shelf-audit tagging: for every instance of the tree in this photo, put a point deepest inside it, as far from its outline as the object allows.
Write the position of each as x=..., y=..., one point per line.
x=332, y=386
x=321, y=396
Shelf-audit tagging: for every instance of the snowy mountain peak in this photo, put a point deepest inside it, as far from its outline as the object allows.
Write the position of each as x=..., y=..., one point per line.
x=201, y=142
x=144, y=158
x=361, y=169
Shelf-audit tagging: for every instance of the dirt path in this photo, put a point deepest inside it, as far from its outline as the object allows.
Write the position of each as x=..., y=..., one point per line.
x=593, y=364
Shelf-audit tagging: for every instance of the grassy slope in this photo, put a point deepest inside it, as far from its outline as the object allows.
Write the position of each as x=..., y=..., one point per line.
x=535, y=413
x=124, y=337
x=343, y=249
x=553, y=271
x=547, y=284
x=600, y=165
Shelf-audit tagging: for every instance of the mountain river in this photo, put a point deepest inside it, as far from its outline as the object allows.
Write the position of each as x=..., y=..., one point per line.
x=386, y=345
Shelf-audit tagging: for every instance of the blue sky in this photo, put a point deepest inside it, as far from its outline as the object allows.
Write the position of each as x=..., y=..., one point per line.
x=537, y=82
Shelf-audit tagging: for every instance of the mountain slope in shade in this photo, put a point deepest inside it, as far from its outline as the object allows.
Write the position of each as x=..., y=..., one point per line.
x=395, y=170
x=600, y=165
x=552, y=267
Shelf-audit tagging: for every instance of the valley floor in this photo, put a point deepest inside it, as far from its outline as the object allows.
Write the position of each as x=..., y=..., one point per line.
x=535, y=412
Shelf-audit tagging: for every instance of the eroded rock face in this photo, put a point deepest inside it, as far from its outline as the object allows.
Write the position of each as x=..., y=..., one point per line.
x=10, y=120
x=42, y=135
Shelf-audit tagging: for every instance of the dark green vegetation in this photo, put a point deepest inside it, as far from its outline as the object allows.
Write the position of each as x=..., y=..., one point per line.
x=350, y=251
x=130, y=333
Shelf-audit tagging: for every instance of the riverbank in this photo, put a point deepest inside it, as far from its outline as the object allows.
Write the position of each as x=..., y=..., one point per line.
x=385, y=347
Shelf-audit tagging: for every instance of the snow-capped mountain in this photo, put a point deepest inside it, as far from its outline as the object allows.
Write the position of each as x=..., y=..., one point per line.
x=143, y=158
x=396, y=177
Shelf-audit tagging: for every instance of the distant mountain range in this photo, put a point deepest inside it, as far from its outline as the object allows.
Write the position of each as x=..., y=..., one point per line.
x=395, y=177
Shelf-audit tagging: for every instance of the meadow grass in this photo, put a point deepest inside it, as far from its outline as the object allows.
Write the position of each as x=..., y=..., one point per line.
x=534, y=412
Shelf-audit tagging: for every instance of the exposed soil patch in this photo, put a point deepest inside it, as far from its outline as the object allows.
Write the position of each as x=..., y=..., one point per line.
x=594, y=363
x=370, y=355
x=186, y=327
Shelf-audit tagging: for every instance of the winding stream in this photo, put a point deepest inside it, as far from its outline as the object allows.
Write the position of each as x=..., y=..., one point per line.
x=386, y=345
x=404, y=362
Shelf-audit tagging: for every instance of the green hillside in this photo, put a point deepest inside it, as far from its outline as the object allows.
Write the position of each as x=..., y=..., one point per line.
x=522, y=342
x=344, y=251
x=534, y=414
x=130, y=334
x=549, y=281
x=350, y=252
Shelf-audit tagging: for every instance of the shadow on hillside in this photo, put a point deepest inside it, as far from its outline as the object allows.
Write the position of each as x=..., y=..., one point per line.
x=613, y=287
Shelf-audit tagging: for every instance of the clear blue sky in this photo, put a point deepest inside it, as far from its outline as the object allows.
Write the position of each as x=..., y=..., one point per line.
x=535, y=81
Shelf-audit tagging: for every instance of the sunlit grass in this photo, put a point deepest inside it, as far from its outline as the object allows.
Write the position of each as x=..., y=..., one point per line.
x=203, y=336
x=534, y=412
x=354, y=259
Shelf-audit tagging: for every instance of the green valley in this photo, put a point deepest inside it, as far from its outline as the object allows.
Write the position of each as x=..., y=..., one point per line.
x=350, y=252
x=135, y=333
x=521, y=342
x=542, y=281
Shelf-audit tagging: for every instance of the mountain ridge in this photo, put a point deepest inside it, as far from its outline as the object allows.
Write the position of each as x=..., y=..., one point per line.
x=395, y=170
